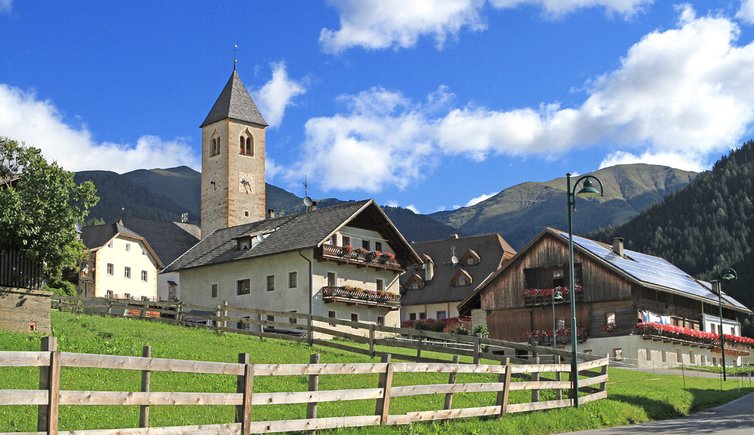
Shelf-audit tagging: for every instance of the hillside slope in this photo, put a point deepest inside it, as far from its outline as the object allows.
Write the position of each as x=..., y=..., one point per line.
x=705, y=227
x=520, y=212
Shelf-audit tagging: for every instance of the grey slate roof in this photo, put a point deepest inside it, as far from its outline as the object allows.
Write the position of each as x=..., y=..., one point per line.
x=234, y=102
x=168, y=239
x=290, y=233
x=97, y=236
x=491, y=248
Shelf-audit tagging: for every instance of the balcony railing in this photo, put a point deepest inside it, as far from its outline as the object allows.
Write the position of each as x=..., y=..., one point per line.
x=356, y=296
x=359, y=257
x=687, y=336
x=543, y=296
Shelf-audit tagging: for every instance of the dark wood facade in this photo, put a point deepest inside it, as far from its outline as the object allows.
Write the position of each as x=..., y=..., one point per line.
x=605, y=293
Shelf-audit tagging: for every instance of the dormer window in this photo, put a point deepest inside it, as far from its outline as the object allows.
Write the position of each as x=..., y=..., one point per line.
x=471, y=258
x=244, y=243
x=246, y=144
x=461, y=279
x=415, y=282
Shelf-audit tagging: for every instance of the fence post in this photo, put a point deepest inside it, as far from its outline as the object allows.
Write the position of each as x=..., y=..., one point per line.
x=451, y=380
x=46, y=376
x=218, y=316
x=109, y=307
x=310, y=334
x=224, y=316
x=535, y=378
x=245, y=386
x=179, y=312
x=502, y=396
x=311, y=407
x=419, y=345
x=386, y=381
x=49, y=379
x=477, y=347
x=558, y=377
x=145, y=380
x=603, y=385
x=371, y=340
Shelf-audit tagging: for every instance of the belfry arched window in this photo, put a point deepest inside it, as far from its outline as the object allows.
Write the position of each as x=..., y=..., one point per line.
x=246, y=144
x=214, y=144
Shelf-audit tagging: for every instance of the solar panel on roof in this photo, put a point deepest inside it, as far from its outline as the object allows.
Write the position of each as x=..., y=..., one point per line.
x=651, y=269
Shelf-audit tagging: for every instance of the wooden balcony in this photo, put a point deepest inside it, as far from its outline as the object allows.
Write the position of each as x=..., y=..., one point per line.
x=368, y=298
x=357, y=257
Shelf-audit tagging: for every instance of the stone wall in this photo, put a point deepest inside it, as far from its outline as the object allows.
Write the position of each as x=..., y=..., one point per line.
x=23, y=310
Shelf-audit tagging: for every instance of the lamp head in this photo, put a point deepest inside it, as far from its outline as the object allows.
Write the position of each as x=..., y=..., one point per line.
x=588, y=190
x=729, y=274
x=558, y=296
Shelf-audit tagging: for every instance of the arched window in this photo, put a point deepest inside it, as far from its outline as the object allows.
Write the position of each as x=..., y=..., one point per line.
x=246, y=143
x=214, y=145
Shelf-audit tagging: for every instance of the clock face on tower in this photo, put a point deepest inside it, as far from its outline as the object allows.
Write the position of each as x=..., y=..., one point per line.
x=246, y=183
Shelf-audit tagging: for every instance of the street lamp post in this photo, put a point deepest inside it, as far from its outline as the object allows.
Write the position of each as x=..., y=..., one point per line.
x=556, y=296
x=727, y=275
x=587, y=191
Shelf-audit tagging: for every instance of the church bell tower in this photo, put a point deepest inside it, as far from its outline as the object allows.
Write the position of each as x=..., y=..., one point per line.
x=233, y=155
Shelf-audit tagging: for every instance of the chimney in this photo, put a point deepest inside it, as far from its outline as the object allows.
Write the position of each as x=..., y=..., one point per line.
x=618, y=246
x=271, y=213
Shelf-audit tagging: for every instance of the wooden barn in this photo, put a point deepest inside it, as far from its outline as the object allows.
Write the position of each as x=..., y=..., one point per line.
x=24, y=307
x=627, y=303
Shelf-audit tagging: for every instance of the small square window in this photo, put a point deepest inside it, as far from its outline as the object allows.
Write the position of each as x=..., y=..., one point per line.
x=110, y=268
x=331, y=314
x=354, y=318
x=127, y=272
x=380, y=285
x=346, y=240
x=243, y=287
x=610, y=318
x=128, y=247
x=110, y=294
x=270, y=283
x=412, y=316
x=144, y=275
x=366, y=245
x=214, y=290
x=292, y=320
x=381, y=320
x=128, y=296
x=292, y=279
x=422, y=316
x=442, y=315
x=378, y=246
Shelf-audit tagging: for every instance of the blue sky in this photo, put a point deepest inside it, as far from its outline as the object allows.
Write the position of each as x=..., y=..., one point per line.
x=426, y=104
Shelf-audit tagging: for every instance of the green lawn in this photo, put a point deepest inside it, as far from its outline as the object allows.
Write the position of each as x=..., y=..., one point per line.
x=633, y=396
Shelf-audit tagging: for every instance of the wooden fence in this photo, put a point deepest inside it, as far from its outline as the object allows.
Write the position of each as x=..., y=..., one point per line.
x=318, y=330
x=50, y=396
x=19, y=270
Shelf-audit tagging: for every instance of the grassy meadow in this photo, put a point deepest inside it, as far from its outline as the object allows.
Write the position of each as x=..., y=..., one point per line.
x=633, y=396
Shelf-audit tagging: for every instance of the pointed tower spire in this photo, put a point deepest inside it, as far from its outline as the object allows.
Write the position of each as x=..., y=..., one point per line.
x=235, y=103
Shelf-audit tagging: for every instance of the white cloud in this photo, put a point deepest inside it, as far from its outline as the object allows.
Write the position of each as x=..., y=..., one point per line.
x=746, y=13
x=277, y=94
x=557, y=8
x=412, y=208
x=480, y=198
x=379, y=24
x=6, y=6
x=679, y=97
x=672, y=159
x=38, y=123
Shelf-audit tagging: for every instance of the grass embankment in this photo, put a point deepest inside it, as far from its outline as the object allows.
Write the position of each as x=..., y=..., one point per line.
x=633, y=396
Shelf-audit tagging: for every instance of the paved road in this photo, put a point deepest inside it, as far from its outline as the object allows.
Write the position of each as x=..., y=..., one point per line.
x=734, y=418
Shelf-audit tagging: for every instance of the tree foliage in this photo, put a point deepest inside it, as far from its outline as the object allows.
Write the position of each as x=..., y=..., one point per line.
x=704, y=228
x=40, y=205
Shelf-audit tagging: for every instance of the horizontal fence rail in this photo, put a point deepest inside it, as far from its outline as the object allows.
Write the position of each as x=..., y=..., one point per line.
x=510, y=377
x=320, y=330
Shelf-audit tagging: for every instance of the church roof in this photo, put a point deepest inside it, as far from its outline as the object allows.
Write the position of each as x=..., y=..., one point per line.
x=235, y=103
